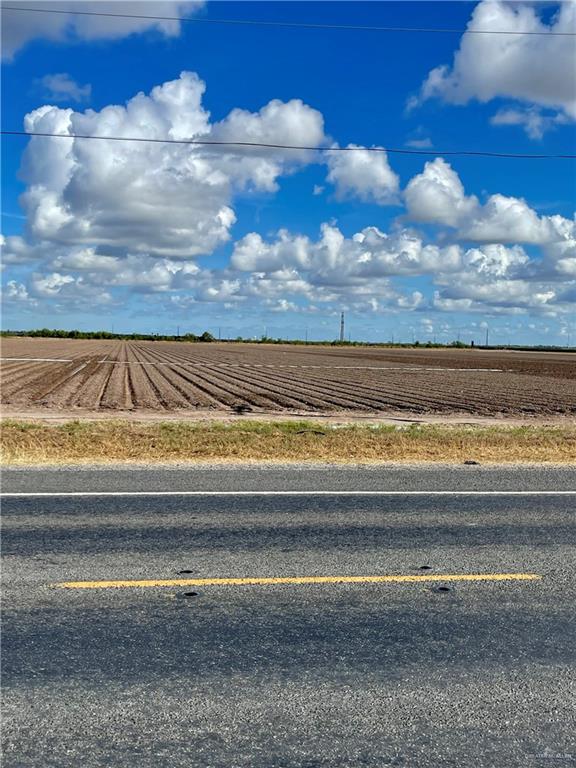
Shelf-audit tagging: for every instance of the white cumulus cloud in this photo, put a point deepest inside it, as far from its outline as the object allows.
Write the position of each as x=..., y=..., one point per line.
x=533, y=69
x=15, y=291
x=363, y=174
x=535, y=121
x=20, y=27
x=61, y=87
x=166, y=200
x=336, y=269
x=360, y=272
x=437, y=196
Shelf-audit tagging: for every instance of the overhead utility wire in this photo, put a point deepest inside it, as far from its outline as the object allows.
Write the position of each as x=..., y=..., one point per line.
x=262, y=145
x=295, y=24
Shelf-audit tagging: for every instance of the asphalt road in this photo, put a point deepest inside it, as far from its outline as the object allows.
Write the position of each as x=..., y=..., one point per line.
x=292, y=675
x=310, y=477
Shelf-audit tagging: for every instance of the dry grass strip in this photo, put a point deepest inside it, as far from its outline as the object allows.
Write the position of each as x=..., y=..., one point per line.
x=101, y=442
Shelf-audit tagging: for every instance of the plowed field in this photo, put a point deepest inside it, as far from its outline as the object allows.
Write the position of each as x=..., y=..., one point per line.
x=172, y=376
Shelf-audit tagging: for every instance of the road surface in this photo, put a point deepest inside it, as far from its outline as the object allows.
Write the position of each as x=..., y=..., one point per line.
x=328, y=625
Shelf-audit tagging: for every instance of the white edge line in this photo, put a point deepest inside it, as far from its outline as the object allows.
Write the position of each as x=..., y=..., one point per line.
x=37, y=494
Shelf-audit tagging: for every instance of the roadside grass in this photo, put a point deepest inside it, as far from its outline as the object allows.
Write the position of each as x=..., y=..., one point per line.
x=88, y=442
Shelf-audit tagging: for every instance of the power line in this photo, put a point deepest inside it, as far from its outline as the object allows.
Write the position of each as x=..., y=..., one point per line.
x=294, y=24
x=262, y=145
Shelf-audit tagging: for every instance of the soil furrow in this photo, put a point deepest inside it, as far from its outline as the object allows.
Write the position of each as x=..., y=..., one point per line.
x=169, y=394
x=267, y=396
x=276, y=378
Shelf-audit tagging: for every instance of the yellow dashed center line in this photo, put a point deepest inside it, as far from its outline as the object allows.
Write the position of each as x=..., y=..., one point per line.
x=267, y=581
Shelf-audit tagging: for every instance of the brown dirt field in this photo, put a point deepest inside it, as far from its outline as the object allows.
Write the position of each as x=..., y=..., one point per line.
x=74, y=377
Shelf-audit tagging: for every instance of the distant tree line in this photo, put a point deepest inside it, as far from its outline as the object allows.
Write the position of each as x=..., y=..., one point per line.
x=208, y=337
x=55, y=333
x=405, y=345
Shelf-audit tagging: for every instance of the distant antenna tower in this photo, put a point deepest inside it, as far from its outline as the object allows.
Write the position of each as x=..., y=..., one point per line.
x=342, y=326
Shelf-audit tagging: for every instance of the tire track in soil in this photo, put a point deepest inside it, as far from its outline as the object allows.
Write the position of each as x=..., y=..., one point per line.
x=62, y=390
x=223, y=384
x=318, y=396
x=515, y=396
x=374, y=398
x=220, y=396
x=38, y=390
x=68, y=394
x=143, y=393
x=44, y=381
x=471, y=398
x=194, y=391
x=167, y=395
x=70, y=349
x=550, y=365
x=381, y=397
x=336, y=392
x=65, y=392
x=172, y=394
x=90, y=394
x=226, y=377
x=426, y=396
x=273, y=358
x=312, y=398
x=321, y=397
x=116, y=393
x=14, y=383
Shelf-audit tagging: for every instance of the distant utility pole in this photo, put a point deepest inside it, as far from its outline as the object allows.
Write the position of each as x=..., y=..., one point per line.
x=306, y=334
x=342, y=326
x=178, y=331
x=486, y=337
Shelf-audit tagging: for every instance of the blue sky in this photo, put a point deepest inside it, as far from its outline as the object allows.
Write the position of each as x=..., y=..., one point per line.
x=150, y=237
